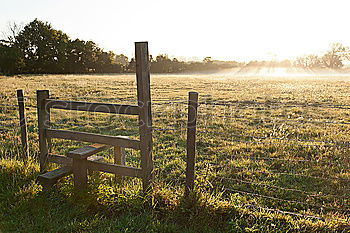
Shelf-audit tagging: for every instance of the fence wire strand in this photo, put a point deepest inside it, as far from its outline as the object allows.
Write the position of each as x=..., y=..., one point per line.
x=309, y=194
x=289, y=201
x=326, y=143
x=274, y=119
x=275, y=172
x=272, y=105
x=279, y=159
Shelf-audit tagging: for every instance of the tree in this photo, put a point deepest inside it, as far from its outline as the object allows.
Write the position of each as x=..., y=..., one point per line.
x=43, y=48
x=334, y=57
x=162, y=64
x=132, y=65
x=11, y=61
x=207, y=60
x=121, y=59
x=9, y=35
x=104, y=62
x=75, y=52
x=309, y=61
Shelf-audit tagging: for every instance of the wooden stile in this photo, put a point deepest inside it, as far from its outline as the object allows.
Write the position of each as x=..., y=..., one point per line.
x=80, y=160
x=191, y=140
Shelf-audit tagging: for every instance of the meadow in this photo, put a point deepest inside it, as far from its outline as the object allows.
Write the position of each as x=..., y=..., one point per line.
x=272, y=155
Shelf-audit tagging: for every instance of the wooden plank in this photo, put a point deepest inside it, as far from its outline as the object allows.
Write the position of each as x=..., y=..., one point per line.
x=96, y=138
x=86, y=151
x=64, y=160
x=191, y=140
x=48, y=179
x=145, y=117
x=92, y=107
x=43, y=122
x=54, y=175
x=114, y=168
x=23, y=125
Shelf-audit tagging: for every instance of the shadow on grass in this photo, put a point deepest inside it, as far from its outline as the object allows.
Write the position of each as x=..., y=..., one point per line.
x=124, y=208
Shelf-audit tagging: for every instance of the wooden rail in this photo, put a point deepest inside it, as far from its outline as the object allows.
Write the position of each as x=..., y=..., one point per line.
x=92, y=107
x=120, y=170
x=95, y=138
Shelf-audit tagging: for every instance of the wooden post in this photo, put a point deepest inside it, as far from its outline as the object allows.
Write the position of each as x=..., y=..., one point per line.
x=80, y=173
x=191, y=140
x=145, y=116
x=119, y=158
x=43, y=122
x=23, y=125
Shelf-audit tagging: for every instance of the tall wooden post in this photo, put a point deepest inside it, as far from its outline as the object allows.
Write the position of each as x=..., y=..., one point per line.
x=43, y=122
x=191, y=140
x=23, y=125
x=145, y=116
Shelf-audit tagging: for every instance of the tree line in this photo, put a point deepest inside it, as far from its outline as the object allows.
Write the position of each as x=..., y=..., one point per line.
x=38, y=48
x=333, y=58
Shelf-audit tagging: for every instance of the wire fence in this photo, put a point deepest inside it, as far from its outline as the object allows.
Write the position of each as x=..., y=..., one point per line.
x=272, y=104
x=340, y=201
x=256, y=181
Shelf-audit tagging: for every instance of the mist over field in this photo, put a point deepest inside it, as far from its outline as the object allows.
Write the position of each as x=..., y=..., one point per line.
x=288, y=72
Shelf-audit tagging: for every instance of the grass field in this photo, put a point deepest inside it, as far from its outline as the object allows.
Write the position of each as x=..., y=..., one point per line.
x=266, y=146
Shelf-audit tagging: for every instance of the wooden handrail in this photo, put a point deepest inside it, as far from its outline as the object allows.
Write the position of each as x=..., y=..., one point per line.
x=92, y=107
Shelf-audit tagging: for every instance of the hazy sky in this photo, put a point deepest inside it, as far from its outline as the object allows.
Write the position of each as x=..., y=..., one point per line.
x=230, y=29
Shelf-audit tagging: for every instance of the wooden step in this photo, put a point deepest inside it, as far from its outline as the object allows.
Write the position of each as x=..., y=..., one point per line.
x=48, y=179
x=85, y=152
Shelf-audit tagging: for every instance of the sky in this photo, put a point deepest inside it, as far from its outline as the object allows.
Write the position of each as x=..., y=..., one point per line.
x=239, y=30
